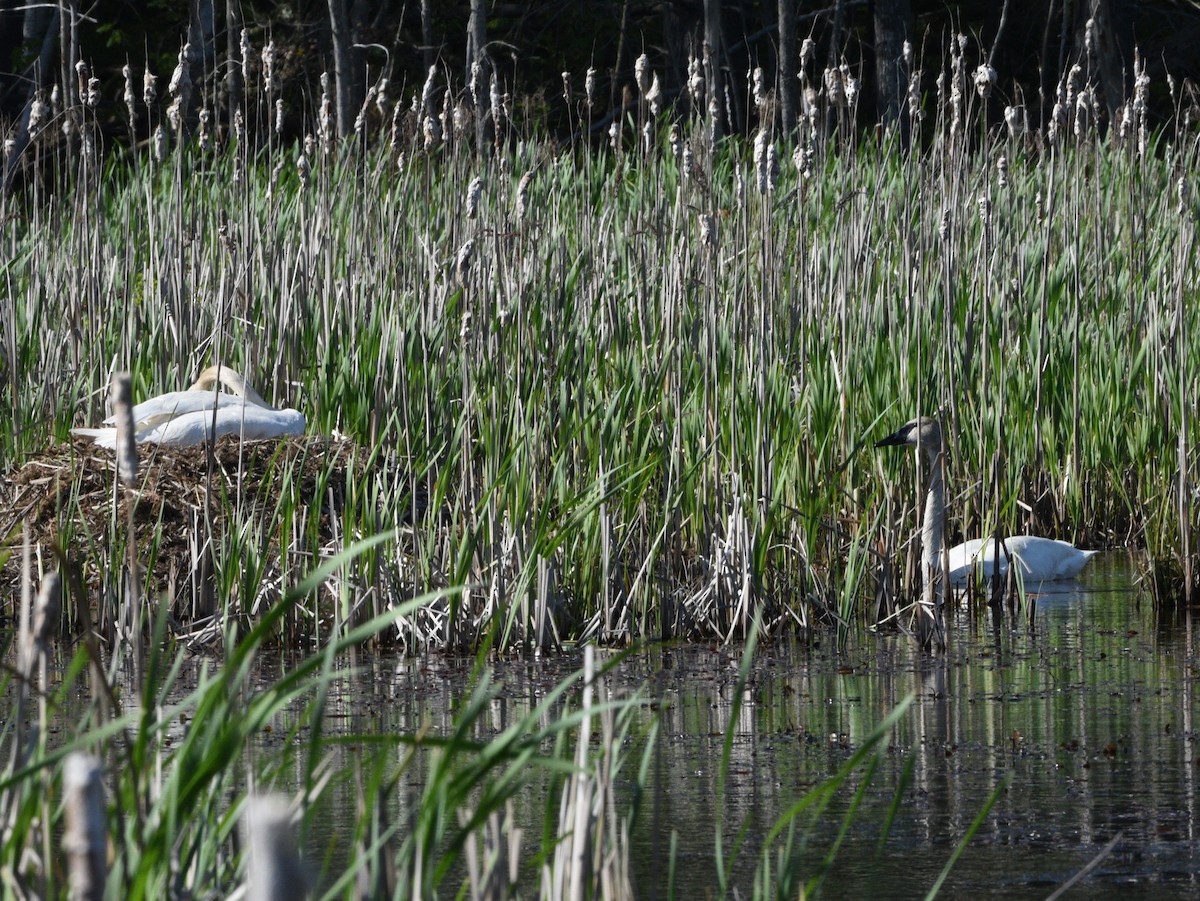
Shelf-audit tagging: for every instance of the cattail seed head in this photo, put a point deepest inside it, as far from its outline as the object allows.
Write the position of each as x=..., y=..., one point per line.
x=82, y=73
x=268, y=69
x=149, y=87
x=808, y=49
x=160, y=144
x=566, y=83
x=708, y=232
x=985, y=80
x=474, y=192
x=641, y=74
x=305, y=171
x=462, y=261
x=654, y=96
x=523, y=195
x=589, y=86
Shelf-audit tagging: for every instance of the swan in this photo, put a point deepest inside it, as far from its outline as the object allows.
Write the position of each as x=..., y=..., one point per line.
x=1036, y=559
x=186, y=418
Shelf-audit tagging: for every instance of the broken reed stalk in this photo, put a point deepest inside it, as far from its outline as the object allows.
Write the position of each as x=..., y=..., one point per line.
x=85, y=840
x=274, y=871
x=127, y=474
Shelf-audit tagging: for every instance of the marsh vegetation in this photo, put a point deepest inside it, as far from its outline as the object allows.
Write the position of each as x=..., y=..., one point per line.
x=558, y=392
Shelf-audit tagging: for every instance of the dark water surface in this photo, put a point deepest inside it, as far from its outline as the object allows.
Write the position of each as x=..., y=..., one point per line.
x=1088, y=709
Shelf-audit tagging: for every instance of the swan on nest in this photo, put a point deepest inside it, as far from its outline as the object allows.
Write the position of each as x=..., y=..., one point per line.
x=187, y=418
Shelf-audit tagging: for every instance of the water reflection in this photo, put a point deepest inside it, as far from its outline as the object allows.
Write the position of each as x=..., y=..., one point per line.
x=1087, y=705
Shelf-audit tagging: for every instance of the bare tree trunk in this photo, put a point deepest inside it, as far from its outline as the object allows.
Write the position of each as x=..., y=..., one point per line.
x=343, y=65
x=427, y=35
x=714, y=88
x=788, y=55
x=235, y=88
x=1110, y=62
x=893, y=25
x=478, y=69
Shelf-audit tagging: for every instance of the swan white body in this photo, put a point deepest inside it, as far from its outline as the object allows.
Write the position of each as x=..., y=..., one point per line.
x=1037, y=559
x=186, y=418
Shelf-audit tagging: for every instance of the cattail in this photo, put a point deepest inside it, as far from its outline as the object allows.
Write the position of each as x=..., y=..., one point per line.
x=675, y=139
x=10, y=147
x=428, y=89
x=474, y=192
x=1002, y=171
x=397, y=125
x=462, y=261
x=654, y=97
x=523, y=195
x=128, y=96
x=431, y=132
x=985, y=80
x=907, y=53
x=835, y=90
x=985, y=210
x=758, y=82
x=268, y=68
x=641, y=74
x=589, y=86
x=38, y=111
x=82, y=73
x=181, y=81
x=760, y=161
x=708, y=232
x=381, y=96
x=566, y=83
x=247, y=57
x=614, y=135
x=149, y=87
x=160, y=144
x=695, y=81
x=686, y=161
x=1015, y=121
x=944, y=225
x=1040, y=207
x=205, y=136
x=1083, y=112
x=279, y=116
x=310, y=146
x=239, y=125
x=122, y=401
x=808, y=49
x=1183, y=192
x=305, y=172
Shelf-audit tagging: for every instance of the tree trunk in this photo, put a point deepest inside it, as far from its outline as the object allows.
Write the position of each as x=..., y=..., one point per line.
x=235, y=87
x=788, y=55
x=343, y=65
x=714, y=83
x=893, y=25
x=1111, y=59
x=478, y=70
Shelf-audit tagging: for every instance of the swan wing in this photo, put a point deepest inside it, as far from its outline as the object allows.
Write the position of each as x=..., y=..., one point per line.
x=102, y=437
x=156, y=410
x=248, y=420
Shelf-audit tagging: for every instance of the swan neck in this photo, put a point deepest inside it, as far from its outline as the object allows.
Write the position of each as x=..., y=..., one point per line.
x=935, y=516
x=232, y=380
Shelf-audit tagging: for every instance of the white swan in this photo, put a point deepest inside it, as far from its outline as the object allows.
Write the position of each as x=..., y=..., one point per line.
x=1037, y=559
x=186, y=418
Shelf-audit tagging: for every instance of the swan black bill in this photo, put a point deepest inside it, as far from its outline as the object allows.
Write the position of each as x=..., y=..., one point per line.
x=900, y=436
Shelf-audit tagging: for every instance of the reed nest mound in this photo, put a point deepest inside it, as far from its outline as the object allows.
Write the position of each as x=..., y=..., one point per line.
x=184, y=503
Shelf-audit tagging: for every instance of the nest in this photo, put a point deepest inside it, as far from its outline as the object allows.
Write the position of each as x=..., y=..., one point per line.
x=65, y=498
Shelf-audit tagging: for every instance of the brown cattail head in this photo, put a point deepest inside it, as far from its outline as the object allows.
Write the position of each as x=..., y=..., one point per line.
x=122, y=401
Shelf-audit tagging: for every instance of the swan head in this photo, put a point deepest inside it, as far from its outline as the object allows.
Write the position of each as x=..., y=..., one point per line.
x=924, y=431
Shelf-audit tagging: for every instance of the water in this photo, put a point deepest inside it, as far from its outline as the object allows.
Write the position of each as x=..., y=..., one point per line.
x=1088, y=709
